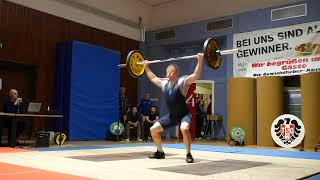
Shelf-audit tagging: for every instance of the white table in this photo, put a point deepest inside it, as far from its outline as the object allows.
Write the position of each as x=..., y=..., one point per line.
x=14, y=121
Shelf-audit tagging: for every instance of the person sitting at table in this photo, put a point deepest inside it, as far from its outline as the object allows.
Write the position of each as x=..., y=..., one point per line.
x=13, y=104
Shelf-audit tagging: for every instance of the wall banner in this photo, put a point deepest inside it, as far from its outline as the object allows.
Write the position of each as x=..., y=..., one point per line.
x=284, y=67
x=278, y=44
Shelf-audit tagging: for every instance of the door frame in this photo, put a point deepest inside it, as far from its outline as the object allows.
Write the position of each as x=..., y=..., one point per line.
x=212, y=92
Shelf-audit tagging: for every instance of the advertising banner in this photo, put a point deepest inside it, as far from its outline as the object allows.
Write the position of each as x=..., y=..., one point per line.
x=284, y=44
x=285, y=67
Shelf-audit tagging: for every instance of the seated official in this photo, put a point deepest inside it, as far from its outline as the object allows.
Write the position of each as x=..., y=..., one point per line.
x=13, y=104
x=133, y=120
x=151, y=118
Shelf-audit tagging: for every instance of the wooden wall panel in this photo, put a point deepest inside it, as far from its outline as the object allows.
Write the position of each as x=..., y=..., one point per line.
x=241, y=110
x=310, y=112
x=30, y=37
x=270, y=105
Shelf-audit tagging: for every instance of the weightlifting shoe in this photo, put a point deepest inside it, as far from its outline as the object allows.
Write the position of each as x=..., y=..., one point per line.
x=157, y=155
x=189, y=158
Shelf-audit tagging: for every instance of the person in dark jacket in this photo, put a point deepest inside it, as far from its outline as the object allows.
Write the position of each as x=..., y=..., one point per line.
x=14, y=104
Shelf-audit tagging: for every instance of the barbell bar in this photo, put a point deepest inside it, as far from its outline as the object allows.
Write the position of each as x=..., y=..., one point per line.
x=135, y=60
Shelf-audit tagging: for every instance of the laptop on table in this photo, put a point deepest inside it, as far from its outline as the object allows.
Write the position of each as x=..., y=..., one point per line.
x=34, y=107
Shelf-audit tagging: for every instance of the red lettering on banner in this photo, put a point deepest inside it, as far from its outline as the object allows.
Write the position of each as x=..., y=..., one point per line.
x=255, y=65
x=270, y=63
x=287, y=62
x=315, y=59
x=305, y=60
x=289, y=67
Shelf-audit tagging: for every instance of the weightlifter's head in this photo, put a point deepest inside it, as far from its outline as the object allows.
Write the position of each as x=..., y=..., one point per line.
x=172, y=72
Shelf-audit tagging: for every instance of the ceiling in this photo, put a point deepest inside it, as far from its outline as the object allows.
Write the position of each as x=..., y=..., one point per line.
x=179, y=12
x=125, y=17
x=160, y=14
x=155, y=3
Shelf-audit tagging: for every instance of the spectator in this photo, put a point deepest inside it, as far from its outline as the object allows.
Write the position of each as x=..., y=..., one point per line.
x=145, y=104
x=144, y=107
x=13, y=104
x=133, y=120
x=209, y=116
x=200, y=115
x=123, y=105
x=151, y=118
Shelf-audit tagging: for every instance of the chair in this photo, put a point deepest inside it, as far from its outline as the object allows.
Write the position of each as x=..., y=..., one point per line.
x=216, y=123
x=2, y=133
x=219, y=124
x=133, y=134
x=209, y=129
x=317, y=146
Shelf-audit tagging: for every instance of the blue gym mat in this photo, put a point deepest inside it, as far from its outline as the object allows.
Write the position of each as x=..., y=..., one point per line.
x=222, y=149
x=250, y=151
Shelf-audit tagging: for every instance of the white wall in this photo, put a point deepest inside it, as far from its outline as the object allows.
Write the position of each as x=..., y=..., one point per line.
x=187, y=11
x=128, y=9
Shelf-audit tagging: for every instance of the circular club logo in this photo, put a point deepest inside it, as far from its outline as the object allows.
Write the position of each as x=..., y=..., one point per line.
x=287, y=130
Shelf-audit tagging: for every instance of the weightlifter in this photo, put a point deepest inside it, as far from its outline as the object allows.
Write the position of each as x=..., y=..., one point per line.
x=174, y=89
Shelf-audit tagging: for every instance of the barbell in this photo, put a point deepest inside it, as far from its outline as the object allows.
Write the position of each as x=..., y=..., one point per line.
x=211, y=52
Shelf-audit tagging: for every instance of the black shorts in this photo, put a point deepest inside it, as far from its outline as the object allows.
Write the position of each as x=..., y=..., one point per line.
x=172, y=120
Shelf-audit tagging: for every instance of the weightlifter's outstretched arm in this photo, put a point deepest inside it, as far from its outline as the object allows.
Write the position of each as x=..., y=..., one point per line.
x=197, y=71
x=152, y=77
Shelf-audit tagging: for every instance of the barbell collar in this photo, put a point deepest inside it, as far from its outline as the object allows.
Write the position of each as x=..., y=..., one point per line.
x=226, y=52
x=122, y=65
